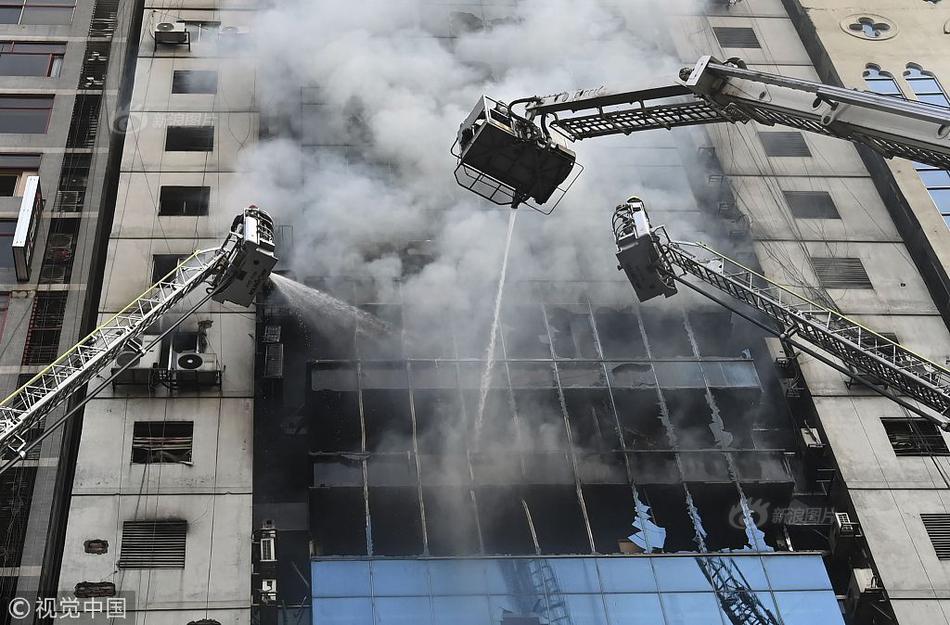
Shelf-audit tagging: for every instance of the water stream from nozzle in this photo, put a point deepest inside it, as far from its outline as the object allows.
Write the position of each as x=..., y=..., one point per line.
x=493, y=336
x=305, y=299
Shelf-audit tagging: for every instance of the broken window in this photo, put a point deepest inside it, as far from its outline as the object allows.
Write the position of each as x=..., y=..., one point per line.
x=915, y=437
x=194, y=81
x=162, y=441
x=183, y=201
x=153, y=545
x=189, y=139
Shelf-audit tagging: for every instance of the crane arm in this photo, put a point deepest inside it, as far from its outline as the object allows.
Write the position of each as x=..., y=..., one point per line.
x=232, y=272
x=713, y=92
x=510, y=158
x=654, y=263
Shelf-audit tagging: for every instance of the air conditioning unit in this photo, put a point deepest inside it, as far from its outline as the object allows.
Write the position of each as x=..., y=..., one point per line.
x=862, y=587
x=172, y=33
x=142, y=367
x=268, y=591
x=811, y=439
x=233, y=31
x=194, y=368
x=131, y=353
x=844, y=531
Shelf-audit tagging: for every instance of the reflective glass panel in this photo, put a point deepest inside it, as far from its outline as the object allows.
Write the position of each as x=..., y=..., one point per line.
x=796, y=573
x=340, y=579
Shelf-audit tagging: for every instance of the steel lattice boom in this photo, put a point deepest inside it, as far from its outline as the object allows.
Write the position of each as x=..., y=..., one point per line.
x=232, y=272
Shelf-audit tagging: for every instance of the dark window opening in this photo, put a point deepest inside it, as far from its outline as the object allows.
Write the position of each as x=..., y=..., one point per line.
x=736, y=37
x=7, y=228
x=162, y=441
x=784, y=144
x=841, y=273
x=183, y=201
x=8, y=183
x=396, y=521
x=57, y=267
x=25, y=114
x=153, y=545
x=811, y=205
x=194, y=81
x=46, y=324
x=915, y=437
x=189, y=139
x=619, y=333
x=450, y=521
x=338, y=521
x=163, y=264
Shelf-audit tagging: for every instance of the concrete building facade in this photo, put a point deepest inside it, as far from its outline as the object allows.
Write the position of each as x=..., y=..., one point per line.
x=617, y=420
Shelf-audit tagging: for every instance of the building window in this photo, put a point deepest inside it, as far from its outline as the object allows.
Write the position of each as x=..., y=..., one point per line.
x=14, y=169
x=189, y=139
x=915, y=437
x=784, y=144
x=27, y=114
x=162, y=441
x=153, y=545
x=31, y=59
x=181, y=201
x=881, y=82
x=870, y=28
x=938, y=528
x=7, y=228
x=36, y=11
x=811, y=204
x=201, y=30
x=194, y=81
x=925, y=86
x=46, y=325
x=736, y=37
x=163, y=264
x=841, y=273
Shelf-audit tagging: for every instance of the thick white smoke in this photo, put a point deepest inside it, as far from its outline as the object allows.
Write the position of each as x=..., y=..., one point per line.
x=385, y=84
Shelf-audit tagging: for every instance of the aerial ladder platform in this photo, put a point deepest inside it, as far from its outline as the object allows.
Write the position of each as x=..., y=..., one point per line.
x=233, y=272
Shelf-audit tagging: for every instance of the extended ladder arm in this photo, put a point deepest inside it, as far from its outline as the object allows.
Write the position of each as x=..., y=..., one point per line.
x=714, y=92
x=510, y=158
x=232, y=272
x=654, y=264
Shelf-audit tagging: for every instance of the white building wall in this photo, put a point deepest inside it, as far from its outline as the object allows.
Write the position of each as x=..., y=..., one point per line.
x=888, y=492
x=213, y=492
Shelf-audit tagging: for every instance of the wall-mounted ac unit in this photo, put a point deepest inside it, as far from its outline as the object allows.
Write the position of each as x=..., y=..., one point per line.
x=142, y=367
x=844, y=531
x=233, y=31
x=862, y=586
x=193, y=368
x=172, y=33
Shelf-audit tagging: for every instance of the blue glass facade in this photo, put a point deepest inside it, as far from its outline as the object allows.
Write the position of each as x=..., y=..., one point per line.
x=792, y=589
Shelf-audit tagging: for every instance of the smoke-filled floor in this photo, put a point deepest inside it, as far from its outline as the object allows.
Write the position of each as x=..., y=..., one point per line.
x=607, y=428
